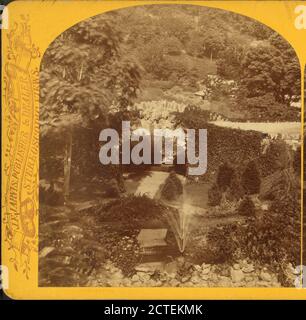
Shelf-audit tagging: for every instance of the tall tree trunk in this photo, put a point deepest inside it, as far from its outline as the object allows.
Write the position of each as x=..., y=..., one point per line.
x=67, y=166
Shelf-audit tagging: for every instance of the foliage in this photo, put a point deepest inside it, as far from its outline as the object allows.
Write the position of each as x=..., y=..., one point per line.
x=246, y=207
x=112, y=189
x=131, y=212
x=214, y=43
x=122, y=248
x=265, y=107
x=277, y=157
x=214, y=195
x=83, y=74
x=236, y=190
x=173, y=46
x=49, y=195
x=229, y=61
x=272, y=239
x=297, y=161
x=192, y=117
x=224, y=177
x=172, y=187
x=271, y=69
x=251, y=178
x=221, y=245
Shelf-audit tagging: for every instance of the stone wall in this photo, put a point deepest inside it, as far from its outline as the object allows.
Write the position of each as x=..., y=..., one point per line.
x=240, y=274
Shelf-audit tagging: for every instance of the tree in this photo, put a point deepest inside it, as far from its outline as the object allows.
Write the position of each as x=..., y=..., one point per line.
x=229, y=61
x=246, y=207
x=263, y=71
x=236, y=189
x=291, y=82
x=83, y=73
x=214, y=195
x=251, y=179
x=172, y=188
x=297, y=161
x=214, y=43
x=172, y=46
x=224, y=176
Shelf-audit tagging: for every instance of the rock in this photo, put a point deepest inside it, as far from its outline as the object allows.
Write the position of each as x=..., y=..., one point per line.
x=251, y=284
x=248, y=268
x=206, y=269
x=237, y=275
x=195, y=279
x=117, y=275
x=149, y=267
x=263, y=284
x=295, y=271
x=214, y=277
x=225, y=272
x=265, y=276
x=107, y=267
x=126, y=282
x=249, y=278
x=158, y=283
x=114, y=283
x=243, y=263
x=135, y=278
x=204, y=277
x=224, y=282
x=187, y=284
x=180, y=261
x=174, y=283
x=171, y=275
x=143, y=276
x=163, y=277
x=185, y=279
x=171, y=267
x=236, y=266
x=197, y=267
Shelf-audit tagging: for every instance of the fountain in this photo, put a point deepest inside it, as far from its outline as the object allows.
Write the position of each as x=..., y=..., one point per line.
x=179, y=213
x=180, y=221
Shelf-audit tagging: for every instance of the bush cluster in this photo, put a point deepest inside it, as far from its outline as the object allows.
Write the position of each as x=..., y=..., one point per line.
x=172, y=188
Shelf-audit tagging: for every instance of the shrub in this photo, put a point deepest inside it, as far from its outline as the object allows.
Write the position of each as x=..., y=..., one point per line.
x=214, y=196
x=236, y=189
x=49, y=195
x=172, y=188
x=112, y=189
x=246, y=207
x=177, y=182
x=133, y=211
x=251, y=179
x=221, y=245
x=297, y=161
x=273, y=239
x=224, y=177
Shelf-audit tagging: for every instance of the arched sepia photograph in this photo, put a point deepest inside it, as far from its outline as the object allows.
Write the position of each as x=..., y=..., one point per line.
x=222, y=207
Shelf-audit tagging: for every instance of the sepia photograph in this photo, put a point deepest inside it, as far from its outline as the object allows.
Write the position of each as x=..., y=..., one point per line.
x=169, y=152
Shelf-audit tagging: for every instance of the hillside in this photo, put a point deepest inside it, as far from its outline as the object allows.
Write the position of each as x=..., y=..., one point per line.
x=176, y=47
